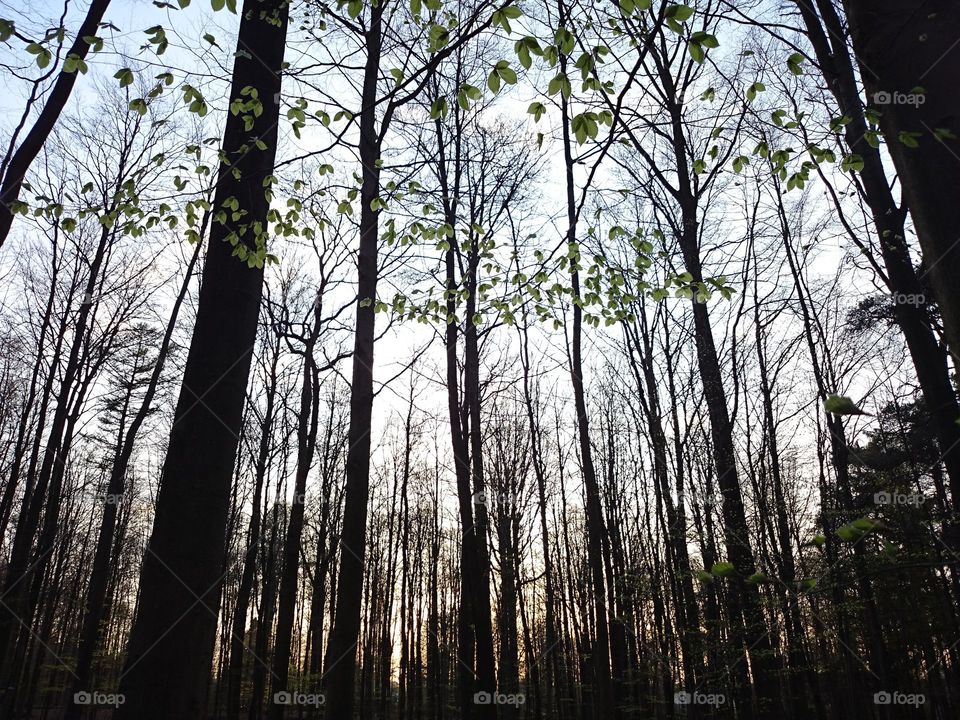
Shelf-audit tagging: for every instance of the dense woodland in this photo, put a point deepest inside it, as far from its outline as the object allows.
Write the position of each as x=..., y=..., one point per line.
x=486, y=359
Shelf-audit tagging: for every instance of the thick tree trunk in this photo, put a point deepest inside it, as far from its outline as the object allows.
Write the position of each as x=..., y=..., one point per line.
x=171, y=643
x=910, y=311
x=885, y=33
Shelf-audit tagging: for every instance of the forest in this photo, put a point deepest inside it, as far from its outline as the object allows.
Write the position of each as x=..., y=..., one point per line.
x=479, y=359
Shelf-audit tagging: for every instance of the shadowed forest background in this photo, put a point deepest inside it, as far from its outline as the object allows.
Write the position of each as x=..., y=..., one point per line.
x=453, y=359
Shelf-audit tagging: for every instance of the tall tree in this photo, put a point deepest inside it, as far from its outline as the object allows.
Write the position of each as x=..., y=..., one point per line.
x=171, y=642
x=923, y=137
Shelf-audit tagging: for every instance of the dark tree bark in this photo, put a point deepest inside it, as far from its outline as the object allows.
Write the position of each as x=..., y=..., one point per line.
x=929, y=359
x=171, y=643
x=345, y=633
x=599, y=654
x=307, y=425
x=902, y=45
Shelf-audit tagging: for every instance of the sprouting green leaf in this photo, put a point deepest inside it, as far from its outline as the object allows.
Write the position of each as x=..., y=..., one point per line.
x=909, y=139
x=95, y=42
x=851, y=163
x=722, y=569
x=560, y=83
x=841, y=405
x=74, y=63
x=795, y=62
x=7, y=28
x=139, y=105
x=125, y=76
x=754, y=90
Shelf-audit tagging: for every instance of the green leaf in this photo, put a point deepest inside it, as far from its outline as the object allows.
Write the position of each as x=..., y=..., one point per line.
x=74, y=63
x=696, y=52
x=754, y=90
x=7, y=28
x=909, y=139
x=841, y=405
x=560, y=83
x=95, y=43
x=794, y=63
x=125, y=76
x=851, y=163
x=139, y=105
x=865, y=524
x=680, y=13
x=722, y=569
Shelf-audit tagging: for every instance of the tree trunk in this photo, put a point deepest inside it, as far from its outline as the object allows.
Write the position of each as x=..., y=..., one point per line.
x=345, y=633
x=171, y=643
x=884, y=33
